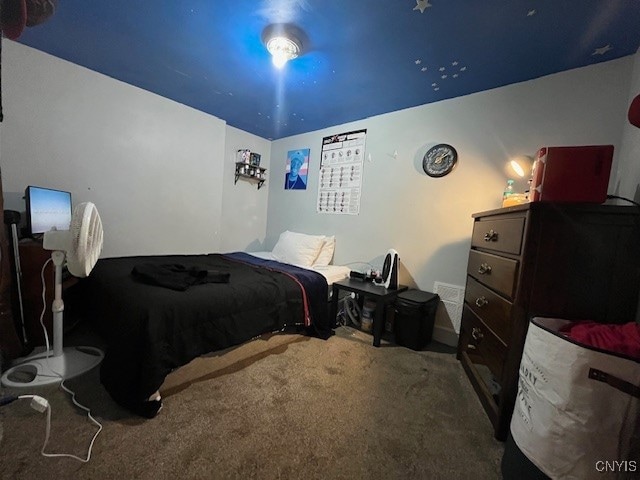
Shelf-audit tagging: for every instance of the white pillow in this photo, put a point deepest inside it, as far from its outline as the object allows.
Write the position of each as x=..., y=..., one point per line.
x=326, y=252
x=298, y=248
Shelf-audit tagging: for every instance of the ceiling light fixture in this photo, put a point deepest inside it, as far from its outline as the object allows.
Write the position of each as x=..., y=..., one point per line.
x=282, y=50
x=284, y=43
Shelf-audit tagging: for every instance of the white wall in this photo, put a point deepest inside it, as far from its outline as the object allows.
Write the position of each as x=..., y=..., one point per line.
x=244, y=207
x=153, y=167
x=627, y=180
x=429, y=220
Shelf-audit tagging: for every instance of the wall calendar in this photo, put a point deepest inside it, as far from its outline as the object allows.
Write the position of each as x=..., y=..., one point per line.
x=341, y=167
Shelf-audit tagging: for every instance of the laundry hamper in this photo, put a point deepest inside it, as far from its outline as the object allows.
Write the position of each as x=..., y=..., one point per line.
x=577, y=413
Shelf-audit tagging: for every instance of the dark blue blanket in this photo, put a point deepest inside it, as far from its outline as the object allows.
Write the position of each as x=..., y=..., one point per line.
x=313, y=284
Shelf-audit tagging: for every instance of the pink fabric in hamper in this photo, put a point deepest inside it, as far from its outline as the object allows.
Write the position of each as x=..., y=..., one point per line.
x=624, y=338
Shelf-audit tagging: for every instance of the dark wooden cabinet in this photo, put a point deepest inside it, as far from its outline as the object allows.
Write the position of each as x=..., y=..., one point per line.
x=572, y=261
x=10, y=343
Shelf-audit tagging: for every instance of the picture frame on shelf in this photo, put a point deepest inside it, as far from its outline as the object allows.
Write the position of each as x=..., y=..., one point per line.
x=254, y=159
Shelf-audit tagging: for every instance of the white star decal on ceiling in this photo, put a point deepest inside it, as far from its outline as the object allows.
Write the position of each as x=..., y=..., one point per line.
x=531, y=13
x=454, y=64
x=423, y=69
x=455, y=75
x=434, y=84
x=602, y=50
x=418, y=62
x=422, y=5
x=436, y=89
x=441, y=69
x=463, y=69
x=443, y=77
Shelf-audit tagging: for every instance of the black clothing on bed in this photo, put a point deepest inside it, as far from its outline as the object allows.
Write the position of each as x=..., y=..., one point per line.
x=177, y=276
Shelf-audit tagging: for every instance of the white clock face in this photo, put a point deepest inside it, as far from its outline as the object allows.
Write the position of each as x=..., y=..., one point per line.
x=439, y=160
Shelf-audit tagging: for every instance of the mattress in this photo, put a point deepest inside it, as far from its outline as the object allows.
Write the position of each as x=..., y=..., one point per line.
x=333, y=273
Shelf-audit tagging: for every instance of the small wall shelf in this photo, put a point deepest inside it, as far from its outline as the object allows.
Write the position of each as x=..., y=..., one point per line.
x=250, y=172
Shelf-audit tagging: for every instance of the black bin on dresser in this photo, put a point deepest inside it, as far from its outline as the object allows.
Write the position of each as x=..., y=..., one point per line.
x=415, y=313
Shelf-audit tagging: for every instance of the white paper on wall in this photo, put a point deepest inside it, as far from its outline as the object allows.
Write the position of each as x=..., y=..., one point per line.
x=341, y=169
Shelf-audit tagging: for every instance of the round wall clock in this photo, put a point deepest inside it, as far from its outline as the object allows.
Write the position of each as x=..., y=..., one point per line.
x=439, y=160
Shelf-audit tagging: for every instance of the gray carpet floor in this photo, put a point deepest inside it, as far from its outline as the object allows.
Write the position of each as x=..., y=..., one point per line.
x=278, y=407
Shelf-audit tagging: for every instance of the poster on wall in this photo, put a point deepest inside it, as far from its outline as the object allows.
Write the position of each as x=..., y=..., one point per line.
x=341, y=166
x=297, y=170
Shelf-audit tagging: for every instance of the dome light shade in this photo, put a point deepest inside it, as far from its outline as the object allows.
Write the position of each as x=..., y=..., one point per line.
x=282, y=49
x=517, y=168
x=283, y=42
x=521, y=165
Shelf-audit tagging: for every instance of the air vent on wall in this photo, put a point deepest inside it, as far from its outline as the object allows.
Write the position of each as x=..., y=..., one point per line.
x=452, y=296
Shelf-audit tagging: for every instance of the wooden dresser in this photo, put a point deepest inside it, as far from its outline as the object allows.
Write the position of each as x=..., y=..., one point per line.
x=573, y=261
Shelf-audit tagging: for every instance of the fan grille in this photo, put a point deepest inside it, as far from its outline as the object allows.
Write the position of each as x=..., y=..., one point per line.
x=86, y=240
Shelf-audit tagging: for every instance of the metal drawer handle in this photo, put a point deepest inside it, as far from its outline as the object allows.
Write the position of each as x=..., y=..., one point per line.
x=484, y=268
x=481, y=301
x=476, y=333
x=491, y=236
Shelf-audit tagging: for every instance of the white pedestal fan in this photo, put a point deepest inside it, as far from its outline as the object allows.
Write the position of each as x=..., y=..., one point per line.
x=81, y=246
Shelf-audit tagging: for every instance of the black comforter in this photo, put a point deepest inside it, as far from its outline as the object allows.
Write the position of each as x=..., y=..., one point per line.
x=151, y=330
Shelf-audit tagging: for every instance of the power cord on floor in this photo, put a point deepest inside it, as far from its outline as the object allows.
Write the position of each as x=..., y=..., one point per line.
x=62, y=386
x=41, y=404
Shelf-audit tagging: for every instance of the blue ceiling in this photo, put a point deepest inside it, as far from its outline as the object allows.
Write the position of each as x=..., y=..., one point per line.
x=363, y=58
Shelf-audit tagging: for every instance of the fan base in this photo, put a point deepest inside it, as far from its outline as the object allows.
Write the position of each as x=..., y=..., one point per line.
x=39, y=370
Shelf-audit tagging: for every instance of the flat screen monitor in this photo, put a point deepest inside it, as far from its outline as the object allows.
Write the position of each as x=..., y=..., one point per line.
x=47, y=209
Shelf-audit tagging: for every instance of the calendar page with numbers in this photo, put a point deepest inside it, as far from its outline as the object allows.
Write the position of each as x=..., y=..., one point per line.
x=341, y=168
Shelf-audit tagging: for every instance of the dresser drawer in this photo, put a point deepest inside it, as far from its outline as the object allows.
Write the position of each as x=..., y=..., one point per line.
x=498, y=273
x=480, y=344
x=499, y=234
x=494, y=310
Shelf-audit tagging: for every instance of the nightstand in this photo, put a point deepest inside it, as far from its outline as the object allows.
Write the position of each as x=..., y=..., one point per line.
x=382, y=296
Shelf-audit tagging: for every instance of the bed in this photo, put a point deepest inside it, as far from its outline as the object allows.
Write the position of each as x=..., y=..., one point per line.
x=152, y=326
x=331, y=273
